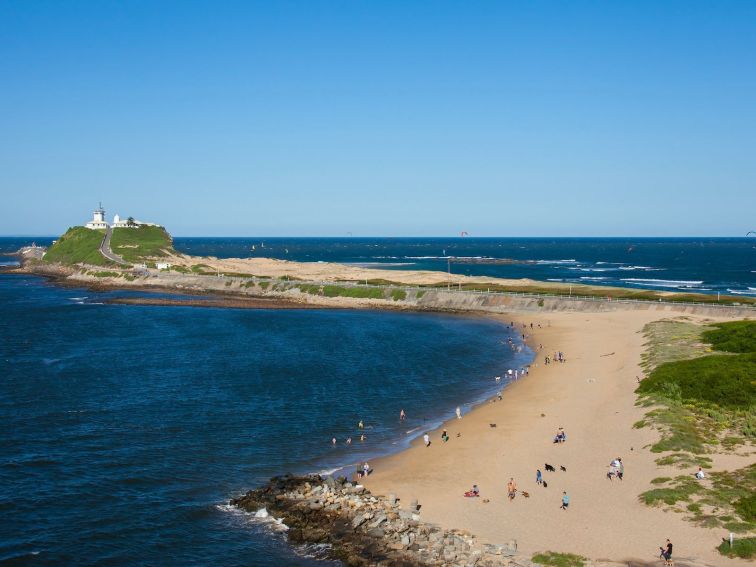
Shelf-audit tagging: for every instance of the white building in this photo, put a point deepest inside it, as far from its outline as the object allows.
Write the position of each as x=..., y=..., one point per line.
x=118, y=222
x=98, y=219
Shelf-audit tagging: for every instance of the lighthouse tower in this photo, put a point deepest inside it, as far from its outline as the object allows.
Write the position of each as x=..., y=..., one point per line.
x=98, y=219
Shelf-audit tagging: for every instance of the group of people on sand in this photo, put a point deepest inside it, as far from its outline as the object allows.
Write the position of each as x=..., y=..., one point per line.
x=558, y=357
x=616, y=468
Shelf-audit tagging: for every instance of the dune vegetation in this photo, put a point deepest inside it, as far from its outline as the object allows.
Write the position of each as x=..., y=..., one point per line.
x=700, y=382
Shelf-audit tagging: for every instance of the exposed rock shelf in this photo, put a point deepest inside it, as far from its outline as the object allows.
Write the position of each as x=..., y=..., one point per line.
x=363, y=529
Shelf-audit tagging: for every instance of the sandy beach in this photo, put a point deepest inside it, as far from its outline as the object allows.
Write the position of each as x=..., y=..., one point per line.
x=592, y=397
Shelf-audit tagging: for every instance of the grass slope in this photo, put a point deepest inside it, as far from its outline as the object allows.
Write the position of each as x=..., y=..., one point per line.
x=723, y=380
x=79, y=245
x=734, y=336
x=704, y=401
x=138, y=244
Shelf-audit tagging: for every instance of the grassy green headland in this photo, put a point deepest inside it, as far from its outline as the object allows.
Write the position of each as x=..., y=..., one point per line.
x=701, y=381
x=81, y=245
x=78, y=245
x=142, y=242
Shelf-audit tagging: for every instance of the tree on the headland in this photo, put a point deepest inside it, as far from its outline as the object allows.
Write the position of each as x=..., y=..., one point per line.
x=130, y=221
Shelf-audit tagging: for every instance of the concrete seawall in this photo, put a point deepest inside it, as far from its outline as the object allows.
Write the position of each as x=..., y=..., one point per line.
x=503, y=303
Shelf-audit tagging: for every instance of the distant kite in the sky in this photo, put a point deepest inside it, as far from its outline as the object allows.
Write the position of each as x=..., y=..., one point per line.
x=750, y=232
x=464, y=233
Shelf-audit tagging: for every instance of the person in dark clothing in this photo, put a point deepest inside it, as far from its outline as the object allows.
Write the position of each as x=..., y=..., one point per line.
x=666, y=553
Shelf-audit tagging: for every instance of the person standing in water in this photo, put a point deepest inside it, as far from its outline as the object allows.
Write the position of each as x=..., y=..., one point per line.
x=402, y=415
x=360, y=425
x=458, y=411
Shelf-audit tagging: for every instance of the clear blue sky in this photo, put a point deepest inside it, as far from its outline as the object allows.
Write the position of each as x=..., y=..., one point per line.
x=380, y=118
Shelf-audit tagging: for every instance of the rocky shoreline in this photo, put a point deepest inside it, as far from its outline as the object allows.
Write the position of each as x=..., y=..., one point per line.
x=362, y=529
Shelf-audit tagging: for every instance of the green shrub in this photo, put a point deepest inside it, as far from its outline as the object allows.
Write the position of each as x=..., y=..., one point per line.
x=554, y=559
x=724, y=380
x=398, y=294
x=746, y=507
x=733, y=336
x=356, y=292
x=744, y=548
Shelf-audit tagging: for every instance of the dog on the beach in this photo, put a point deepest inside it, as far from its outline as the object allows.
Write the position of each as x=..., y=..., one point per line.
x=548, y=467
x=492, y=424
x=525, y=494
x=545, y=484
x=563, y=468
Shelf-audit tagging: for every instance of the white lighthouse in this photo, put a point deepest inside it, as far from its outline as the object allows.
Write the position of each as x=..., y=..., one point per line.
x=98, y=219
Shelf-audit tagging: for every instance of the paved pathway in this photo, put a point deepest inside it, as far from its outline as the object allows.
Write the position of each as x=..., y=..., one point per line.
x=107, y=252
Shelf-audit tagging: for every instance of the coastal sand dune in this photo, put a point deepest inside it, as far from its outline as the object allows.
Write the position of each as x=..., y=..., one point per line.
x=592, y=397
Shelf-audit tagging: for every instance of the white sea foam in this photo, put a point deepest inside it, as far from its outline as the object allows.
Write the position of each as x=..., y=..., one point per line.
x=547, y=262
x=329, y=472
x=448, y=257
x=314, y=550
x=749, y=291
x=261, y=517
x=378, y=264
x=670, y=283
x=594, y=278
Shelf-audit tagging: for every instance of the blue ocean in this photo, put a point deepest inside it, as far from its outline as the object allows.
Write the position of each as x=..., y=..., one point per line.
x=126, y=429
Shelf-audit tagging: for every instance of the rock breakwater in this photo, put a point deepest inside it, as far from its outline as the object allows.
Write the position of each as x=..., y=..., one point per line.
x=364, y=529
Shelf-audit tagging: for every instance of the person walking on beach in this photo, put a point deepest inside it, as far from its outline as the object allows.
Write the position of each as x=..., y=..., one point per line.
x=565, y=501
x=666, y=553
x=620, y=469
x=511, y=489
x=458, y=411
x=427, y=440
x=539, y=477
x=444, y=436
